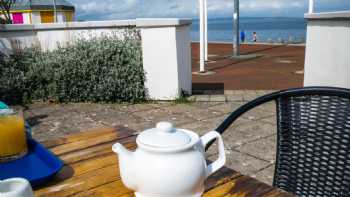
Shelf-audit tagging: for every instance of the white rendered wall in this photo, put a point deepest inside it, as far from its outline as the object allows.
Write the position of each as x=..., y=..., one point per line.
x=49, y=40
x=327, y=61
x=166, y=58
x=184, y=58
x=163, y=65
x=49, y=36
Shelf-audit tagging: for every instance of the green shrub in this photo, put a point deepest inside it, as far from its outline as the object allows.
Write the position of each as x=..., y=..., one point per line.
x=13, y=79
x=103, y=69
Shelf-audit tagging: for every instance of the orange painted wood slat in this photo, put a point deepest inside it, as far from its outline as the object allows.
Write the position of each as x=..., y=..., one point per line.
x=245, y=186
x=121, y=132
x=89, y=161
x=47, y=16
x=278, y=193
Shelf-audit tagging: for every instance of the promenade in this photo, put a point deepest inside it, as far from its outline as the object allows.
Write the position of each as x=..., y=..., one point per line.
x=274, y=67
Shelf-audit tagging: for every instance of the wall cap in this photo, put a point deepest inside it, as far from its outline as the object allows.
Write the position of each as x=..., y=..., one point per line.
x=328, y=15
x=140, y=22
x=162, y=22
x=70, y=25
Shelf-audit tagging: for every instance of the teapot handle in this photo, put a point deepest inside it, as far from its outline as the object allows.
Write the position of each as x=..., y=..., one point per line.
x=220, y=162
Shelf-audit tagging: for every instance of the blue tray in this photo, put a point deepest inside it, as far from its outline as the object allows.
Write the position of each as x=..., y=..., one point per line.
x=38, y=166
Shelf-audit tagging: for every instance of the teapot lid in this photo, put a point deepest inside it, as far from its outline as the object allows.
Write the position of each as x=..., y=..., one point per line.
x=164, y=136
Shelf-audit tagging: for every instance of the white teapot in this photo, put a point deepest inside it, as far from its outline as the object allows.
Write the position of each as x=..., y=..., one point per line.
x=168, y=162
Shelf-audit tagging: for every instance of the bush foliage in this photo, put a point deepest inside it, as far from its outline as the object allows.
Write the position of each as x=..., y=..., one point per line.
x=103, y=69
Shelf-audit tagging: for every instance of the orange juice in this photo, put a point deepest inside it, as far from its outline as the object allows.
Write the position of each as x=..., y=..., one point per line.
x=12, y=136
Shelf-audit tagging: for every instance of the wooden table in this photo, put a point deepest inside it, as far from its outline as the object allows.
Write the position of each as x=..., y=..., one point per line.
x=91, y=169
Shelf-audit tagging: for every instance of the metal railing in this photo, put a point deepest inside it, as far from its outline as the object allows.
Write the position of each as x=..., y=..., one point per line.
x=203, y=17
x=311, y=6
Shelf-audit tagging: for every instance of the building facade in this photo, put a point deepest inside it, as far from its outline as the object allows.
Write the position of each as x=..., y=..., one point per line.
x=42, y=11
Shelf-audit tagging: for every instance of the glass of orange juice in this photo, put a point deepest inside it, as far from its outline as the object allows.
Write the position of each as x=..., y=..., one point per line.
x=13, y=144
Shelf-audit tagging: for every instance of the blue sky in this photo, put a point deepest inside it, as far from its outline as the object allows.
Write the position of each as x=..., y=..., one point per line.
x=124, y=9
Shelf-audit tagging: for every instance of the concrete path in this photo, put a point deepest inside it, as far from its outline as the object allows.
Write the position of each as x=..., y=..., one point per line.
x=250, y=142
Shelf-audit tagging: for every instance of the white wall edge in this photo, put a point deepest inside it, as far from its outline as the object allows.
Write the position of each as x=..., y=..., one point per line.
x=140, y=23
x=327, y=50
x=162, y=22
x=69, y=25
x=328, y=15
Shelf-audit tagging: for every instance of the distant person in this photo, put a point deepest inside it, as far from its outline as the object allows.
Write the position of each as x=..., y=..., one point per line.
x=242, y=36
x=255, y=37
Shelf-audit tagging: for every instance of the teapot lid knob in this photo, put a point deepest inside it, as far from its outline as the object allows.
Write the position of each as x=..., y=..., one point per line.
x=165, y=135
x=166, y=127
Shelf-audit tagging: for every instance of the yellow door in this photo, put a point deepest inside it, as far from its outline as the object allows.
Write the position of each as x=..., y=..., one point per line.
x=46, y=17
x=69, y=16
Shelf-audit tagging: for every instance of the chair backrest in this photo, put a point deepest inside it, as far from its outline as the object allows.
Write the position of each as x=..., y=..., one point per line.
x=313, y=143
x=313, y=151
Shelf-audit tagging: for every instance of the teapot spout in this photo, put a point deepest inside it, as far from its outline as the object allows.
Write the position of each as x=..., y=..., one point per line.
x=121, y=150
x=126, y=165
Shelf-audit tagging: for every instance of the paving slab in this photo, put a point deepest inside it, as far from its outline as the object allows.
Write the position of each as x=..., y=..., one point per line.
x=142, y=107
x=204, y=126
x=53, y=117
x=192, y=98
x=264, y=148
x=265, y=175
x=234, y=98
x=271, y=120
x=192, y=111
x=217, y=98
x=202, y=98
x=258, y=113
x=250, y=95
x=270, y=106
x=246, y=133
x=242, y=163
x=227, y=107
x=161, y=114
x=264, y=92
x=229, y=92
x=207, y=104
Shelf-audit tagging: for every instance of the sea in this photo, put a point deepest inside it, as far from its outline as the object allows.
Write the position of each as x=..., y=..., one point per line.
x=268, y=29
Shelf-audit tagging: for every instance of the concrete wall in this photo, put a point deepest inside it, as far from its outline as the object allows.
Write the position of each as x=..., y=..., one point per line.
x=327, y=60
x=49, y=36
x=174, y=69
x=165, y=46
x=184, y=58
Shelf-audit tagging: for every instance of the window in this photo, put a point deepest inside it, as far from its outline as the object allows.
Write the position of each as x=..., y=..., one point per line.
x=17, y=18
x=68, y=16
x=47, y=17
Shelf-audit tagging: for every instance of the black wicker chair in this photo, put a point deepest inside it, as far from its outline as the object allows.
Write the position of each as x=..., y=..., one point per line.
x=313, y=144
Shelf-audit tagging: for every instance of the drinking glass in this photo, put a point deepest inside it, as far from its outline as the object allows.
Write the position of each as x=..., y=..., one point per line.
x=13, y=144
